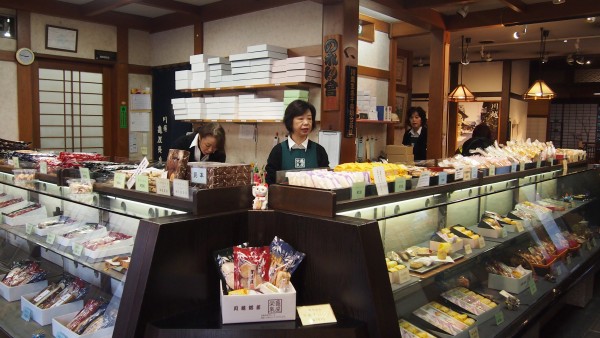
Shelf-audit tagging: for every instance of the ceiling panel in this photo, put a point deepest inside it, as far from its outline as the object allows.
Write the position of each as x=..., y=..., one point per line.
x=143, y=10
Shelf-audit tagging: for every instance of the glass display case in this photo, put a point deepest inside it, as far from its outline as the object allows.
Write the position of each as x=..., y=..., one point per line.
x=532, y=233
x=76, y=235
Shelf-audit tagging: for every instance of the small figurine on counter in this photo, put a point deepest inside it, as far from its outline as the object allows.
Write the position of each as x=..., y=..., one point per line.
x=260, y=191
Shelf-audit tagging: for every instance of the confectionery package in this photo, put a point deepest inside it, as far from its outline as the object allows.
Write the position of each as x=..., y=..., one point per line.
x=283, y=258
x=251, y=266
x=208, y=175
x=224, y=260
x=177, y=163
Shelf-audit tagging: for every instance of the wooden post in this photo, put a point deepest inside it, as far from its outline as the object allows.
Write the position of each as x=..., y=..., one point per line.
x=25, y=97
x=437, y=114
x=120, y=146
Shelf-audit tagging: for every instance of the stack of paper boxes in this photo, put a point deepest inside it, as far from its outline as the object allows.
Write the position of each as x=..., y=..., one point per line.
x=297, y=69
x=400, y=154
x=221, y=107
x=220, y=72
x=290, y=95
x=183, y=79
x=366, y=104
x=200, y=71
x=252, y=107
x=254, y=66
x=191, y=108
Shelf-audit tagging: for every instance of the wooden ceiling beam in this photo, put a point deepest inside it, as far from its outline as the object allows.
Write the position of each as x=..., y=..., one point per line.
x=516, y=5
x=98, y=7
x=176, y=6
x=536, y=13
x=425, y=18
x=403, y=29
x=412, y=4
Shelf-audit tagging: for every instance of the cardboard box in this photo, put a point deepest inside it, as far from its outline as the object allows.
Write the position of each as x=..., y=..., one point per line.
x=199, y=67
x=199, y=58
x=401, y=158
x=44, y=316
x=30, y=217
x=59, y=328
x=305, y=59
x=217, y=60
x=304, y=66
x=394, y=149
x=265, y=47
x=14, y=293
x=183, y=75
x=512, y=285
x=259, y=308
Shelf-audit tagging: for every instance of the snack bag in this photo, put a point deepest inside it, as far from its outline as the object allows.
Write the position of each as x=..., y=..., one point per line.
x=283, y=258
x=224, y=260
x=251, y=267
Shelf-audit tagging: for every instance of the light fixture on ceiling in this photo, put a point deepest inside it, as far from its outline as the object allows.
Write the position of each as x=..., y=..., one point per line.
x=461, y=93
x=591, y=19
x=577, y=57
x=517, y=35
x=360, y=28
x=7, y=26
x=486, y=56
x=539, y=90
x=558, y=2
x=463, y=11
x=464, y=57
x=420, y=63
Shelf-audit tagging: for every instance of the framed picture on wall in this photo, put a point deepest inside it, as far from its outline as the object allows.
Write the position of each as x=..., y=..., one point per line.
x=401, y=103
x=61, y=38
x=470, y=114
x=401, y=70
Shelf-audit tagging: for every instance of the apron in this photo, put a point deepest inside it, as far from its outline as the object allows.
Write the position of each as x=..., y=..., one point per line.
x=298, y=158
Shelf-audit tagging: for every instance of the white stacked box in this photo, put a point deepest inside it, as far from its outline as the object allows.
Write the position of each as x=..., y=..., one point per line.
x=183, y=79
x=365, y=102
x=200, y=71
x=220, y=72
x=221, y=107
x=254, y=66
x=258, y=108
x=200, y=58
x=297, y=69
x=190, y=108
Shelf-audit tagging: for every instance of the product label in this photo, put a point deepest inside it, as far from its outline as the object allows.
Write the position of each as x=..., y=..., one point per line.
x=143, y=164
x=43, y=167
x=492, y=170
x=423, y=180
x=316, y=314
x=119, y=180
x=29, y=228
x=474, y=173
x=142, y=184
x=404, y=276
x=16, y=162
x=459, y=173
x=163, y=186
x=499, y=318
x=467, y=173
x=442, y=178
x=520, y=226
x=474, y=332
x=198, y=175
x=521, y=166
x=481, y=242
x=358, y=190
x=50, y=238
x=513, y=167
x=84, y=173
x=26, y=314
x=181, y=188
x=532, y=287
x=399, y=185
x=380, y=181
x=468, y=249
x=77, y=249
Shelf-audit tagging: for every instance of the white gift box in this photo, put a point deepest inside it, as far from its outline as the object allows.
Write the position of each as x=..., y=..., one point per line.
x=305, y=66
x=217, y=59
x=44, y=316
x=258, y=308
x=13, y=293
x=305, y=59
x=183, y=84
x=263, y=61
x=100, y=232
x=512, y=285
x=59, y=327
x=265, y=47
x=183, y=75
x=33, y=216
x=199, y=67
x=199, y=58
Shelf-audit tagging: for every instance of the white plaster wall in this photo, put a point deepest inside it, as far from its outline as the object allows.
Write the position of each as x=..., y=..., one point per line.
x=173, y=46
x=483, y=76
x=519, y=80
x=377, y=88
x=90, y=36
x=518, y=118
x=8, y=108
x=375, y=54
x=8, y=44
x=295, y=25
x=144, y=139
x=139, y=48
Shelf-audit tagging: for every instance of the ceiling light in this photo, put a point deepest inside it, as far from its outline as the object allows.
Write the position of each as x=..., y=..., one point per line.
x=517, y=35
x=580, y=60
x=539, y=90
x=558, y=2
x=485, y=56
x=360, y=29
x=591, y=19
x=463, y=11
x=588, y=62
x=565, y=40
x=7, y=34
x=461, y=93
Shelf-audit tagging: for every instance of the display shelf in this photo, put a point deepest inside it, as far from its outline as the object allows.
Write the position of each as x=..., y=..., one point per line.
x=233, y=120
x=253, y=87
x=367, y=121
x=13, y=325
x=66, y=252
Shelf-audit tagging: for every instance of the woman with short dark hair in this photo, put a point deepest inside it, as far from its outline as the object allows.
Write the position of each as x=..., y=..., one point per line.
x=416, y=132
x=297, y=151
x=482, y=138
x=207, y=143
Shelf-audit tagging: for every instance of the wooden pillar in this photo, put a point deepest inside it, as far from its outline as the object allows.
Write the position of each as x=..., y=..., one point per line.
x=504, y=102
x=453, y=127
x=437, y=114
x=199, y=38
x=25, y=99
x=340, y=18
x=120, y=136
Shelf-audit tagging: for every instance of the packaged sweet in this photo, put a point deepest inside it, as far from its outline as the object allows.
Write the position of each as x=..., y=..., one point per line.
x=66, y=291
x=92, y=309
x=113, y=238
x=11, y=202
x=60, y=221
x=224, y=260
x=23, y=210
x=24, y=272
x=177, y=164
x=107, y=319
x=283, y=257
x=251, y=266
x=82, y=230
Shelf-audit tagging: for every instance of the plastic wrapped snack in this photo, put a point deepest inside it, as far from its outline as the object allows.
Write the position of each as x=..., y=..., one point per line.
x=251, y=267
x=224, y=260
x=283, y=258
x=24, y=272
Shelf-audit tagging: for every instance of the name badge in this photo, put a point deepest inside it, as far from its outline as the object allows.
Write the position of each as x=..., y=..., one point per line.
x=300, y=163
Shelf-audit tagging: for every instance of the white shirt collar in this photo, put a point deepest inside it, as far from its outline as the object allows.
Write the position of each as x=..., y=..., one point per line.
x=197, y=152
x=291, y=143
x=417, y=134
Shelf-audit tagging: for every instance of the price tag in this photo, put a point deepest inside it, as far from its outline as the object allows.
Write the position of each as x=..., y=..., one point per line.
x=499, y=318
x=459, y=173
x=513, y=167
x=358, y=190
x=569, y=260
x=198, y=175
x=520, y=226
x=532, y=287
x=43, y=167
x=481, y=242
x=181, y=188
x=404, y=276
x=29, y=228
x=468, y=249
x=504, y=232
x=565, y=167
x=144, y=151
x=119, y=180
x=492, y=170
x=141, y=183
x=50, y=238
x=380, y=181
x=143, y=164
x=442, y=178
x=467, y=173
x=163, y=186
x=26, y=314
x=474, y=332
x=16, y=162
x=400, y=184
x=84, y=173
x=474, y=172
x=521, y=166
x=77, y=249
x=538, y=164
x=316, y=314
x=423, y=179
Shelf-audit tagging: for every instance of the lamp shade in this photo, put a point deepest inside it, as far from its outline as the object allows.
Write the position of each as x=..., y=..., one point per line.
x=461, y=94
x=539, y=90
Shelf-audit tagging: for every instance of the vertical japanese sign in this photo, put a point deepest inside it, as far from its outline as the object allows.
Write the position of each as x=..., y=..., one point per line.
x=161, y=131
x=350, y=113
x=331, y=72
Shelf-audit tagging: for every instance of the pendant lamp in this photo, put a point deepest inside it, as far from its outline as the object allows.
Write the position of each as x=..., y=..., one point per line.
x=461, y=93
x=539, y=90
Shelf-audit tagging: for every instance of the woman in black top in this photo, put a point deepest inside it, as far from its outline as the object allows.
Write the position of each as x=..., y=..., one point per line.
x=482, y=138
x=416, y=132
x=297, y=151
x=207, y=143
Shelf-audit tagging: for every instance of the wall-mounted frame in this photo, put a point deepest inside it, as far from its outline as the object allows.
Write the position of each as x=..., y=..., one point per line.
x=7, y=27
x=401, y=106
x=61, y=38
x=470, y=114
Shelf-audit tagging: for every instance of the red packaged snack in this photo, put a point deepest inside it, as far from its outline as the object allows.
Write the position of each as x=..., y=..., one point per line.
x=251, y=267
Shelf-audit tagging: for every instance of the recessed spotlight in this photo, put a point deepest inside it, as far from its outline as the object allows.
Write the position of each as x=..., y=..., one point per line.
x=597, y=94
x=588, y=62
x=591, y=19
x=558, y=2
x=565, y=40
